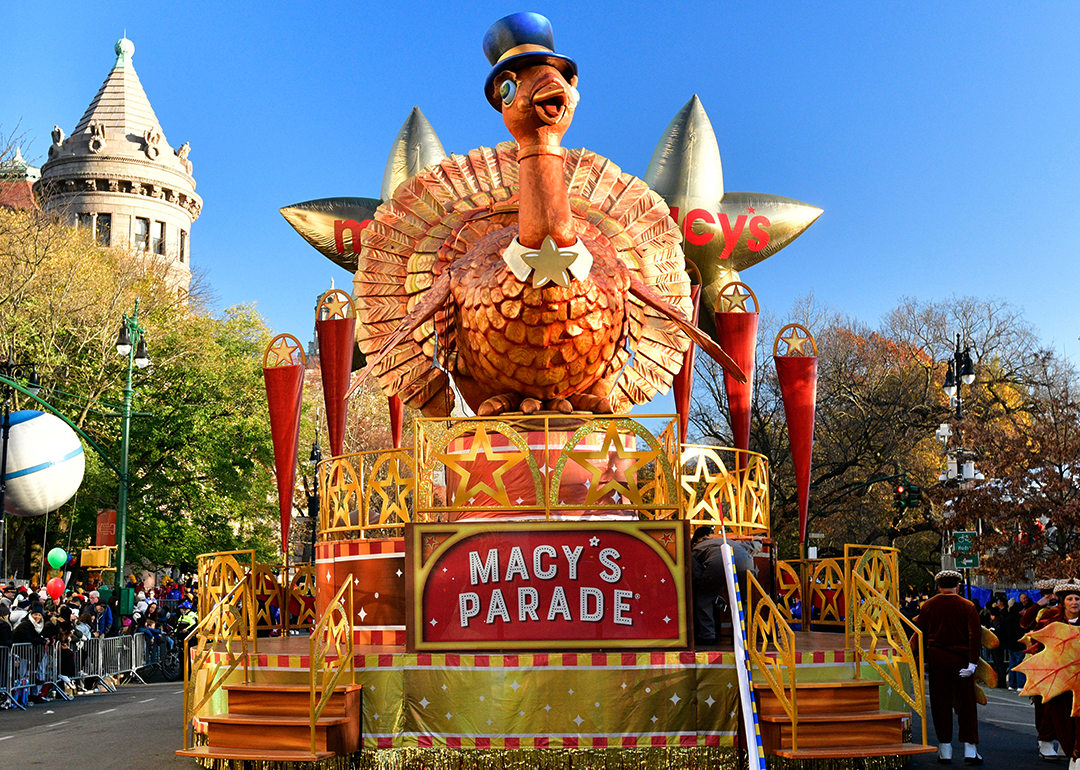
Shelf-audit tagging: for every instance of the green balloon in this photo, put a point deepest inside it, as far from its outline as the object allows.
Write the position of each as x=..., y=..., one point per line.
x=57, y=558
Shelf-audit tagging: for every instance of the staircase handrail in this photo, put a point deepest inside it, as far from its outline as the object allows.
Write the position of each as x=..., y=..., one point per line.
x=876, y=561
x=211, y=631
x=769, y=626
x=885, y=622
x=331, y=634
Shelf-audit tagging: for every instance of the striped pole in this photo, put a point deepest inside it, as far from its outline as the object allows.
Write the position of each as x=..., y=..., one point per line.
x=755, y=752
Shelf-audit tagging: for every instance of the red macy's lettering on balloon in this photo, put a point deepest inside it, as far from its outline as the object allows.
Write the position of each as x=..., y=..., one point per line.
x=354, y=228
x=758, y=236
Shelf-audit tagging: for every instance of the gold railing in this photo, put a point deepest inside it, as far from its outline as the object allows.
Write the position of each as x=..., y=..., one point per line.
x=556, y=466
x=219, y=573
x=877, y=565
x=876, y=617
x=771, y=645
x=821, y=586
x=728, y=486
x=365, y=491
x=230, y=621
x=333, y=634
x=498, y=466
x=280, y=593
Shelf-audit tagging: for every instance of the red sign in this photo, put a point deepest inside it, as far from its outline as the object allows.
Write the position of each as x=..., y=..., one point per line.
x=546, y=585
x=106, y=528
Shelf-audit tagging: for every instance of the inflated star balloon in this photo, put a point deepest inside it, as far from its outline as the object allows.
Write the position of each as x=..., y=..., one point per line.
x=1056, y=668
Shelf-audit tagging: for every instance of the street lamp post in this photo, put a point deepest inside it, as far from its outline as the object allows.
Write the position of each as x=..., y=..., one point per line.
x=130, y=342
x=960, y=371
x=12, y=370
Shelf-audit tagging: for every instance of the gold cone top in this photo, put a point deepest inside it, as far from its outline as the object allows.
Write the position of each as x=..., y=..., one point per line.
x=686, y=161
x=416, y=147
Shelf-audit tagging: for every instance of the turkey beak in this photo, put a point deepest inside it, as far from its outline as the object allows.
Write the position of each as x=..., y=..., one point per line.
x=550, y=101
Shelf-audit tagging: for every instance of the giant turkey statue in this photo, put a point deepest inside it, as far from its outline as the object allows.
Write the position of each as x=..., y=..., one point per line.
x=537, y=278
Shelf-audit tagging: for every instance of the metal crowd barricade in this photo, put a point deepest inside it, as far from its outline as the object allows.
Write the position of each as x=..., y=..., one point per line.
x=32, y=666
x=5, y=677
x=106, y=659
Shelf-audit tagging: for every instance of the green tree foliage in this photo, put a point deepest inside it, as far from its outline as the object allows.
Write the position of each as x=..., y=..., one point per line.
x=201, y=457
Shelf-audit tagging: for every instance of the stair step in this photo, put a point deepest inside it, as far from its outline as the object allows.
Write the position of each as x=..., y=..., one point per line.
x=846, y=695
x=264, y=719
x=290, y=699
x=845, y=716
x=878, y=750
x=222, y=752
x=271, y=687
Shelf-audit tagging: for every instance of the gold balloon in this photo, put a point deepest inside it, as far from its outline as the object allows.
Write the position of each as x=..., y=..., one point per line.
x=723, y=233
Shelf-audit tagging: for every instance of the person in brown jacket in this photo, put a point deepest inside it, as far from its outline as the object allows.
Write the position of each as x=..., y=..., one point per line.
x=1034, y=617
x=952, y=637
x=1059, y=710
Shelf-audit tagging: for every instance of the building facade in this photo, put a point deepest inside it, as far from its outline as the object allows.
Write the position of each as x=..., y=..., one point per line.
x=117, y=175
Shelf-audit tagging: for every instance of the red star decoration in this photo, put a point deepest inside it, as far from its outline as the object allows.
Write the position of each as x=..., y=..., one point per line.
x=750, y=209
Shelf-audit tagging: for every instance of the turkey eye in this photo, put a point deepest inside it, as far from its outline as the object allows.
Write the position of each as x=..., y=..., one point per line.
x=507, y=91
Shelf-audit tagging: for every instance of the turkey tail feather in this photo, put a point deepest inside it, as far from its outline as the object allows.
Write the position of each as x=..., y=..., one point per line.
x=647, y=295
x=433, y=300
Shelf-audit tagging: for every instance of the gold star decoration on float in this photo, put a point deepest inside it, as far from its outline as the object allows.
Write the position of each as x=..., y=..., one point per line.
x=706, y=503
x=393, y=489
x=550, y=263
x=480, y=448
x=733, y=298
x=335, y=304
x=612, y=450
x=795, y=337
x=284, y=350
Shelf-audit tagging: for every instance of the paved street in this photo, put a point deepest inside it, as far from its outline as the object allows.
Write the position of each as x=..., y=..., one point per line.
x=1006, y=736
x=138, y=726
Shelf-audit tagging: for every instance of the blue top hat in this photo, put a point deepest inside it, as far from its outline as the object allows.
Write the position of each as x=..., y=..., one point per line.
x=518, y=41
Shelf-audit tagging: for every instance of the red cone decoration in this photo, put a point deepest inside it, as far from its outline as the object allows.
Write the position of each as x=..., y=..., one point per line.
x=283, y=371
x=796, y=371
x=397, y=416
x=736, y=331
x=335, y=327
x=683, y=385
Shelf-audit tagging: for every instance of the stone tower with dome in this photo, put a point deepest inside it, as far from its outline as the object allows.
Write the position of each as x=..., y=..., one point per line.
x=117, y=175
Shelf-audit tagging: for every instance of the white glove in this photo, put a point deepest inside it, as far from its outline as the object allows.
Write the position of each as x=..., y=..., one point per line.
x=967, y=671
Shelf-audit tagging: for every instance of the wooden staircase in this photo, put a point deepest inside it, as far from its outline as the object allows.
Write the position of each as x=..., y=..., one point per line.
x=270, y=722
x=841, y=719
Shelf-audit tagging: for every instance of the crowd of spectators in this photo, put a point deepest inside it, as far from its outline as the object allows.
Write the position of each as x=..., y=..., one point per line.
x=29, y=615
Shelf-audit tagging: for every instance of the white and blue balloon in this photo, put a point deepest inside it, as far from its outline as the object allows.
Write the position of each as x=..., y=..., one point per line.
x=45, y=463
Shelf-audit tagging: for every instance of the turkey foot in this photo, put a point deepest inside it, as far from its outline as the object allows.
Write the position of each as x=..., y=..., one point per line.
x=586, y=402
x=508, y=402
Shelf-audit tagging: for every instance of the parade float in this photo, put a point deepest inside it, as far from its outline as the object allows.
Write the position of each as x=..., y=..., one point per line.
x=514, y=589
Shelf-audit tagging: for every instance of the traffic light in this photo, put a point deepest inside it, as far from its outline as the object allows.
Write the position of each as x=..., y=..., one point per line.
x=913, y=497
x=899, y=497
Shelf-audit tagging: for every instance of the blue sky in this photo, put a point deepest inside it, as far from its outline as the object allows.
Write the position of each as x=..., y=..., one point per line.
x=940, y=139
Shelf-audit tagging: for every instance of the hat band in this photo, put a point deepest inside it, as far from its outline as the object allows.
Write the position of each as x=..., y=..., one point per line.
x=526, y=48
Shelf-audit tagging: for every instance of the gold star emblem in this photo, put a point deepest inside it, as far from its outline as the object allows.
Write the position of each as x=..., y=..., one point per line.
x=702, y=489
x=468, y=489
x=795, y=337
x=549, y=264
x=282, y=351
x=615, y=461
x=394, y=490
x=335, y=304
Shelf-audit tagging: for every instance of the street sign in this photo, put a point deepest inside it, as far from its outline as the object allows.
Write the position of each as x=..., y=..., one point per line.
x=963, y=543
x=967, y=561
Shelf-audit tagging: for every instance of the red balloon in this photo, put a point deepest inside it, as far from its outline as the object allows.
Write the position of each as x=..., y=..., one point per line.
x=55, y=588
